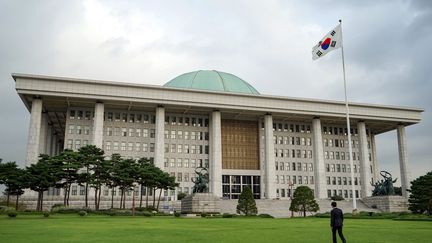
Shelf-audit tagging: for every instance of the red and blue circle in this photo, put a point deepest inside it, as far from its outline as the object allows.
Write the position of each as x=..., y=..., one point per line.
x=326, y=43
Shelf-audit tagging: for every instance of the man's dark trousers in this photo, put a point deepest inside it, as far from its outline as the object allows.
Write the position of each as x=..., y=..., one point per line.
x=339, y=230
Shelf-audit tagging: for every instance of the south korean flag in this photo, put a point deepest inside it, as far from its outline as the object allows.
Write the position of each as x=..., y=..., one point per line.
x=330, y=42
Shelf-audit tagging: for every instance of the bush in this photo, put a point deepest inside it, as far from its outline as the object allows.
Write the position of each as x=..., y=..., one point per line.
x=203, y=215
x=12, y=214
x=181, y=195
x=6, y=210
x=177, y=214
x=147, y=214
x=82, y=213
x=337, y=198
x=227, y=215
x=265, y=215
x=57, y=205
x=46, y=214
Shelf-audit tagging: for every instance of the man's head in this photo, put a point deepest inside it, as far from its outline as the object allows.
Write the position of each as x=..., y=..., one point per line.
x=333, y=204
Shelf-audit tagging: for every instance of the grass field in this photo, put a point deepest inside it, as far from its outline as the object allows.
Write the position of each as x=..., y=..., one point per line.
x=93, y=228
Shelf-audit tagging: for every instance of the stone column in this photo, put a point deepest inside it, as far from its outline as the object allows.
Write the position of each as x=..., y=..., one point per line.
x=54, y=144
x=318, y=155
x=98, y=125
x=270, y=173
x=34, y=132
x=365, y=175
x=403, y=160
x=159, y=137
x=375, y=159
x=216, y=154
x=43, y=133
x=48, y=140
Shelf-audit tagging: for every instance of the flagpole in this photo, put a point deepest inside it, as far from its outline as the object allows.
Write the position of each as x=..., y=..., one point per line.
x=348, y=126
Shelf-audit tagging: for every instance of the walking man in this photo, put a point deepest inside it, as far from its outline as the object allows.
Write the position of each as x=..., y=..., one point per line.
x=336, y=222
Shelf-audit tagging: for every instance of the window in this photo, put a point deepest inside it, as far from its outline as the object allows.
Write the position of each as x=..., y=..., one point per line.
x=152, y=145
x=172, y=162
x=179, y=177
x=82, y=190
x=173, y=134
x=70, y=144
x=131, y=132
x=77, y=144
x=71, y=129
x=137, y=146
x=115, y=146
x=74, y=190
x=130, y=146
x=179, y=148
x=179, y=163
x=124, y=132
x=145, y=147
x=78, y=129
x=108, y=145
x=72, y=114
x=123, y=146
x=138, y=132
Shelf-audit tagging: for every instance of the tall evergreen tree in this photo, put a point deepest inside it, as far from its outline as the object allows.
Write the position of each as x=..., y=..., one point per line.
x=90, y=155
x=304, y=201
x=14, y=179
x=43, y=175
x=420, y=199
x=246, y=202
x=70, y=165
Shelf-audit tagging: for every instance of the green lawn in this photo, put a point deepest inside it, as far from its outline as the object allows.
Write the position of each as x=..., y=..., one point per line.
x=73, y=228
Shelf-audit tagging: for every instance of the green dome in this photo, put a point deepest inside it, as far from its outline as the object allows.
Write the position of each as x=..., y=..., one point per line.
x=212, y=80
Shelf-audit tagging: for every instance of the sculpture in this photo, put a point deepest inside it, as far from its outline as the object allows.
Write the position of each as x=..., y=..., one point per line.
x=384, y=187
x=201, y=181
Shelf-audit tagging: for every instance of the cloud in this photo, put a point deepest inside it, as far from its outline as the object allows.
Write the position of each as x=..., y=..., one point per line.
x=266, y=43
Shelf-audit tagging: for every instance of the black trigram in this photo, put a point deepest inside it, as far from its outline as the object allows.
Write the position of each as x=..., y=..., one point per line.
x=333, y=33
x=333, y=44
x=319, y=53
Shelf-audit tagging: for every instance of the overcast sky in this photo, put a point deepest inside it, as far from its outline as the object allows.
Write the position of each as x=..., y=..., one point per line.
x=267, y=43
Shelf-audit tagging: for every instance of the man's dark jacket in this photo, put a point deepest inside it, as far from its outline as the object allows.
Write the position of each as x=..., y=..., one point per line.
x=336, y=217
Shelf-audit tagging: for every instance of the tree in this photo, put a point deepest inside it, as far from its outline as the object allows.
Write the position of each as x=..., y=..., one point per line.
x=420, y=200
x=304, y=201
x=70, y=165
x=164, y=182
x=125, y=174
x=89, y=156
x=14, y=179
x=112, y=181
x=43, y=175
x=246, y=203
x=145, y=177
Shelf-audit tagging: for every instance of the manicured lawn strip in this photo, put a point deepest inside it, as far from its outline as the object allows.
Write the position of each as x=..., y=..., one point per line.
x=98, y=228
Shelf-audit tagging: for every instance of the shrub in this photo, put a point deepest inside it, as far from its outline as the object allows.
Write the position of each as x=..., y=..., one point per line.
x=265, y=215
x=227, y=215
x=46, y=214
x=6, y=210
x=337, y=198
x=57, y=205
x=177, y=214
x=203, y=215
x=12, y=214
x=181, y=195
x=147, y=214
x=82, y=213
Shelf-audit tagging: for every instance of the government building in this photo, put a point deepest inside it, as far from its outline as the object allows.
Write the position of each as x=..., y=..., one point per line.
x=218, y=121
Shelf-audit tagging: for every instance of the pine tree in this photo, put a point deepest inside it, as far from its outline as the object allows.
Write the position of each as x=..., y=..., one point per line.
x=420, y=200
x=246, y=203
x=304, y=201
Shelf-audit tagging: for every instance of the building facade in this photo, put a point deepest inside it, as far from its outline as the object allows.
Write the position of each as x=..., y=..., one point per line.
x=215, y=120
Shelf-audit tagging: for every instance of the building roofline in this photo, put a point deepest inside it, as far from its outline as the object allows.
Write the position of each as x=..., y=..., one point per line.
x=259, y=96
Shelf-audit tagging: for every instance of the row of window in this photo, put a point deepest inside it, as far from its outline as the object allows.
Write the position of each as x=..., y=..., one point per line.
x=186, y=135
x=332, y=155
x=78, y=129
x=77, y=145
x=342, y=181
x=129, y=132
x=341, y=168
x=342, y=143
x=285, y=127
x=293, y=153
x=294, y=180
x=303, y=141
x=129, y=146
x=186, y=121
x=186, y=149
x=185, y=163
x=346, y=193
x=287, y=166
